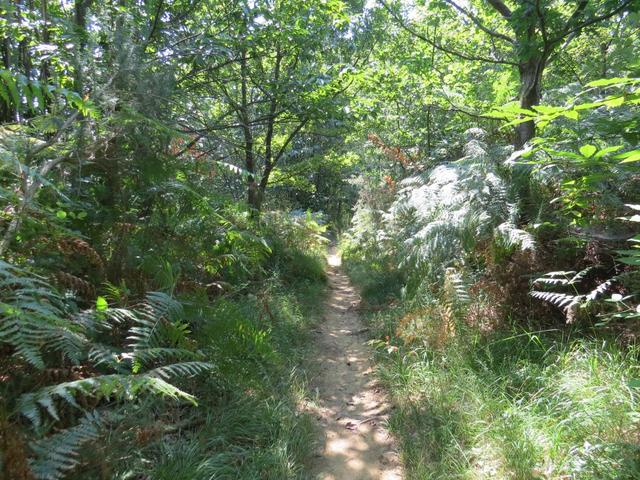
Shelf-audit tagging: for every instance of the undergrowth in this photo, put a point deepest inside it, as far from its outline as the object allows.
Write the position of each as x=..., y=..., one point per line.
x=200, y=379
x=510, y=404
x=247, y=425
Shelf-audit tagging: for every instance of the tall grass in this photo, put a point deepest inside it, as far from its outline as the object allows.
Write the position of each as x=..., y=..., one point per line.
x=513, y=405
x=509, y=402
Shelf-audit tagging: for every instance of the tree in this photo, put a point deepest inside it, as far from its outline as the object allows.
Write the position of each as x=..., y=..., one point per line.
x=523, y=34
x=274, y=74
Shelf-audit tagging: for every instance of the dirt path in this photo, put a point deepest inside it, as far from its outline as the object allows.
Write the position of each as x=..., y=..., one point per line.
x=351, y=409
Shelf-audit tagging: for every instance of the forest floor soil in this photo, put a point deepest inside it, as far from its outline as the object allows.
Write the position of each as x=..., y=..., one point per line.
x=350, y=406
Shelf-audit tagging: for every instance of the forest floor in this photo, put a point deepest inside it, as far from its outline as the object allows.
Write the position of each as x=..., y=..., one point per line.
x=349, y=404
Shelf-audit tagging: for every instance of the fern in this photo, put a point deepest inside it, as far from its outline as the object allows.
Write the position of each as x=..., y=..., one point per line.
x=600, y=289
x=512, y=236
x=441, y=216
x=565, y=278
x=561, y=300
x=580, y=276
x=456, y=288
x=57, y=454
x=124, y=387
x=570, y=279
x=184, y=369
x=157, y=307
x=551, y=281
x=148, y=356
x=128, y=382
x=33, y=318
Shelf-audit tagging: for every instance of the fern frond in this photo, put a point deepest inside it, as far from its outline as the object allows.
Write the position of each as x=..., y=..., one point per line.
x=184, y=369
x=561, y=300
x=562, y=277
x=551, y=281
x=456, y=288
x=58, y=454
x=512, y=236
x=105, y=356
x=157, y=307
x=560, y=273
x=600, y=289
x=150, y=355
x=115, y=386
x=33, y=318
x=578, y=277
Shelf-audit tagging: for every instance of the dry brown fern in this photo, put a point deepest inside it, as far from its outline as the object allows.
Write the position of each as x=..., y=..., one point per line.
x=82, y=287
x=14, y=451
x=77, y=246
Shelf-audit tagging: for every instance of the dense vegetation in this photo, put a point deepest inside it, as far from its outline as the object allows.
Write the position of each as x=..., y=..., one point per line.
x=169, y=170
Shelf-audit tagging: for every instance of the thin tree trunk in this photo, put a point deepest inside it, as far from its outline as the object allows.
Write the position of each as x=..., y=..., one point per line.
x=80, y=20
x=530, y=95
x=46, y=38
x=253, y=193
x=6, y=112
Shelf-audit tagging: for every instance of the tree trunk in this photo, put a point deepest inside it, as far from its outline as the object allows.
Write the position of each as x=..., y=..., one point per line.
x=530, y=95
x=80, y=30
x=254, y=195
x=253, y=192
x=45, y=74
x=6, y=112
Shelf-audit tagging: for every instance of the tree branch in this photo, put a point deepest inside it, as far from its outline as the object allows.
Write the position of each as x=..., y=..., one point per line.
x=500, y=7
x=441, y=47
x=479, y=24
x=570, y=32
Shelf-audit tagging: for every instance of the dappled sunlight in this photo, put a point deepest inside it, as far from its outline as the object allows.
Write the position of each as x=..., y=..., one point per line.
x=334, y=259
x=350, y=406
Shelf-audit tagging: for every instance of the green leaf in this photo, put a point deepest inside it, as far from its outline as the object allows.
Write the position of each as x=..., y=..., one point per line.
x=546, y=109
x=614, y=101
x=11, y=85
x=632, y=158
x=635, y=261
x=61, y=214
x=588, y=150
x=608, y=150
x=101, y=304
x=605, y=82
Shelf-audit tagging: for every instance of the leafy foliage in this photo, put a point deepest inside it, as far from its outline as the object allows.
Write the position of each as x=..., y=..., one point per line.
x=170, y=173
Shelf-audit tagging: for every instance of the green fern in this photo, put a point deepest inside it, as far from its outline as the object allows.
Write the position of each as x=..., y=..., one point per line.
x=33, y=318
x=157, y=308
x=57, y=454
x=456, y=289
x=123, y=387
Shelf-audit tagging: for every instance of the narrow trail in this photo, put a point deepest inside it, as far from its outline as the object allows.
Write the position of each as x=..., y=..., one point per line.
x=351, y=408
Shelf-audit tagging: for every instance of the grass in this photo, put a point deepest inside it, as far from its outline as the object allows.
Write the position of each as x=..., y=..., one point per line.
x=551, y=405
x=247, y=424
x=512, y=404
